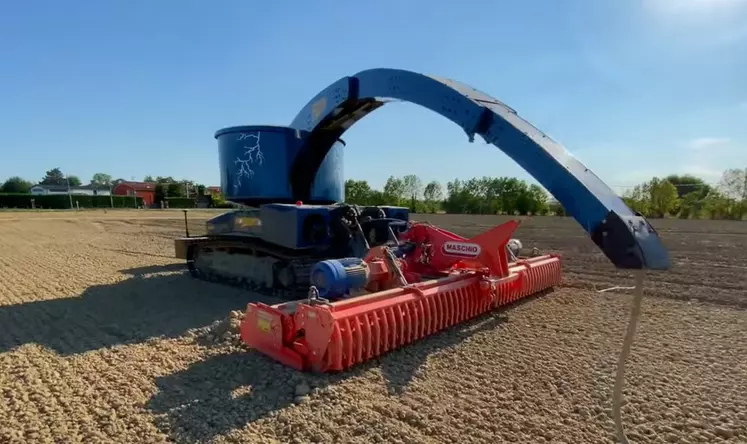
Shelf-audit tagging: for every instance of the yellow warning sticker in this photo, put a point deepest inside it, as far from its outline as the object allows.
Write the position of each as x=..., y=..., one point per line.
x=263, y=325
x=317, y=108
x=246, y=222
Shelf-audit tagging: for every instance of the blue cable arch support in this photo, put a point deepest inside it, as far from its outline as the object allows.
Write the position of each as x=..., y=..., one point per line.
x=625, y=237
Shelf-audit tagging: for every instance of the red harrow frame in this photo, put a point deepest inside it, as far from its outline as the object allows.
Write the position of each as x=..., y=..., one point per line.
x=442, y=281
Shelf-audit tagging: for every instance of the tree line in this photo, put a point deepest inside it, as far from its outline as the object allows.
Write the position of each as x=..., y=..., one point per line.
x=486, y=195
x=683, y=196
x=166, y=186
x=689, y=197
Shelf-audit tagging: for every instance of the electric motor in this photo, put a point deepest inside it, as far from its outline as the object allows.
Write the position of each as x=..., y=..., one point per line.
x=335, y=278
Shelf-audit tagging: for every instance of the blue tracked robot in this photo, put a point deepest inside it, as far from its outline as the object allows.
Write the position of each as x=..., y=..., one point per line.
x=273, y=243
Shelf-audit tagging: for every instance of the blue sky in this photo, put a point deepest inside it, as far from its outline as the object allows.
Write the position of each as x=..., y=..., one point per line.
x=138, y=87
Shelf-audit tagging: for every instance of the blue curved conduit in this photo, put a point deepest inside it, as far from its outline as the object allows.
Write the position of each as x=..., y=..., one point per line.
x=625, y=237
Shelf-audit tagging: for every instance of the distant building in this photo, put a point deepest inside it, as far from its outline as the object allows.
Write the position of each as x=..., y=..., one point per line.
x=87, y=190
x=213, y=191
x=146, y=190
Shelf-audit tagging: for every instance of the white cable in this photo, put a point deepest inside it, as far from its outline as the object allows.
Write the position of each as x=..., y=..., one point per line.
x=617, y=394
x=615, y=289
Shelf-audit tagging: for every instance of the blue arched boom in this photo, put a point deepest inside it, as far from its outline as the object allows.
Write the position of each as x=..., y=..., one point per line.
x=625, y=237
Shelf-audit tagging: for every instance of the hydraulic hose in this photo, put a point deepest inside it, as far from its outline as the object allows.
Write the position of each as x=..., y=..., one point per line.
x=617, y=395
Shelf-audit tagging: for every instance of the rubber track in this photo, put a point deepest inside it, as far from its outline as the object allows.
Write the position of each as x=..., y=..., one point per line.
x=301, y=268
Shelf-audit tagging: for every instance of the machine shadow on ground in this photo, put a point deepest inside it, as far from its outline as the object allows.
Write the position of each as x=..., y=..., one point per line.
x=152, y=269
x=228, y=391
x=130, y=311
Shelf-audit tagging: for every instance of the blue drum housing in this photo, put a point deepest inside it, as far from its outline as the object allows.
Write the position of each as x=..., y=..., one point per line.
x=255, y=162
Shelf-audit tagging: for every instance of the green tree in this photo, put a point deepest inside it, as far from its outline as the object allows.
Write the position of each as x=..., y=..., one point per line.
x=639, y=199
x=733, y=184
x=101, y=180
x=524, y=201
x=511, y=190
x=394, y=190
x=358, y=192
x=655, y=198
x=165, y=179
x=378, y=198
x=73, y=180
x=494, y=188
x=432, y=195
x=730, y=200
x=458, y=197
x=538, y=198
x=663, y=197
x=16, y=184
x=556, y=208
x=175, y=189
x=692, y=197
x=717, y=205
x=687, y=184
x=494, y=195
x=691, y=205
x=160, y=192
x=413, y=188
x=188, y=188
x=471, y=196
x=54, y=177
x=167, y=186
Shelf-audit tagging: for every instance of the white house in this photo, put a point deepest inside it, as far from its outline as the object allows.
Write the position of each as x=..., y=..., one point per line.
x=88, y=190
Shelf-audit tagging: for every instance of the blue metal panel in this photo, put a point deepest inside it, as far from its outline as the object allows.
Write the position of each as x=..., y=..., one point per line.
x=329, y=184
x=627, y=239
x=291, y=225
x=324, y=104
x=255, y=163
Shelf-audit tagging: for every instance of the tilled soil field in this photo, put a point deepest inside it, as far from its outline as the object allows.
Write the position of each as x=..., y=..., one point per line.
x=103, y=338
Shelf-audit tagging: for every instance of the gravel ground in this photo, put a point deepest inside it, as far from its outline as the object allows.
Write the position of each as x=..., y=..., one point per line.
x=104, y=339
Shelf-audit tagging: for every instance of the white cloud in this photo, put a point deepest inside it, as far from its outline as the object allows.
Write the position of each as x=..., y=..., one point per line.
x=700, y=24
x=708, y=174
x=702, y=143
x=689, y=7
x=697, y=161
x=625, y=181
x=702, y=161
x=628, y=178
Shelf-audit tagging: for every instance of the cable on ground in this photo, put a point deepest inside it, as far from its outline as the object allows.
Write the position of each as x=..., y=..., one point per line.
x=617, y=394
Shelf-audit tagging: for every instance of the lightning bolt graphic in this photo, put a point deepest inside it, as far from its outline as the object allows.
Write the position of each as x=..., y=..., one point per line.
x=252, y=158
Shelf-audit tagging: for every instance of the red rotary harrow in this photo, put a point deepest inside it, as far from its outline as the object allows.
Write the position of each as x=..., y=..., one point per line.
x=429, y=280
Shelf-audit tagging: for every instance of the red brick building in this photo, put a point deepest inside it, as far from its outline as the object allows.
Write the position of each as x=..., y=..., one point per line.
x=146, y=190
